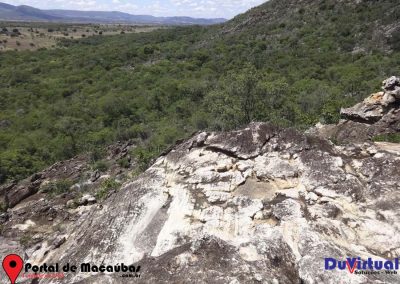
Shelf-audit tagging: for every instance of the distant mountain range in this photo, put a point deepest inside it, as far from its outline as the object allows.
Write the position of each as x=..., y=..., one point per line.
x=26, y=13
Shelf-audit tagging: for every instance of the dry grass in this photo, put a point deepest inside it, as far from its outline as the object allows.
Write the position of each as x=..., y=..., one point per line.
x=33, y=36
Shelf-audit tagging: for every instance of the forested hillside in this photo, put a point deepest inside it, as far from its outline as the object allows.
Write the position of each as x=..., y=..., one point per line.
x=290, y=62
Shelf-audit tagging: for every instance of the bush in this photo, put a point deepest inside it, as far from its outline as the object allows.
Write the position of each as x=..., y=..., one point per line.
x=107, y=186
x=57, y=187
x=124, y=163
x=148, y=50
x=97, y=154
x=101, y=166
x=143, y=156
x=26, y=240
x=3, y=207
x=393, y=138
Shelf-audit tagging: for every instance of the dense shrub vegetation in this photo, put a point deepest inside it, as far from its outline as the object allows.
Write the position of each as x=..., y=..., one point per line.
x=393, y=138
x=57, y=187
x=106, y=187
x=161, y=86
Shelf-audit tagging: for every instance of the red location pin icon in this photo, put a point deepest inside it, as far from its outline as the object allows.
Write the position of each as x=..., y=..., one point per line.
x=12, y=265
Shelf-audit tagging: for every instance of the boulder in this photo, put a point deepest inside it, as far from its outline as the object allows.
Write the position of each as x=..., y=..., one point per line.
x=377, y=114
x=373, y=108
x=391, y=86
x=19, y=193
x=87, y=200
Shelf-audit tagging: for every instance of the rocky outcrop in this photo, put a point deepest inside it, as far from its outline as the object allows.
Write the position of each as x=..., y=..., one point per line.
x=75, y=171
x=376, y=106
x=257, y=205
x=377, y=114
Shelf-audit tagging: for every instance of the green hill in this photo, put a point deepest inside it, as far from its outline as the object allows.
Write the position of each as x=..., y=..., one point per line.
x=349, y=25
x=290, y=62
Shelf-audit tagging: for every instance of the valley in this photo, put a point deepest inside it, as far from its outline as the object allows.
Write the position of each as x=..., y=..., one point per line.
x=161, y=86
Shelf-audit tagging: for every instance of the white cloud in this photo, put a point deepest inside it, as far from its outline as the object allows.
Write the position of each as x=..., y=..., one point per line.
x=216, y=8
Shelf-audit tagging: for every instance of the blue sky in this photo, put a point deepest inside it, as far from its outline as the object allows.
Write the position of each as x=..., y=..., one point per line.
x=194, y=8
